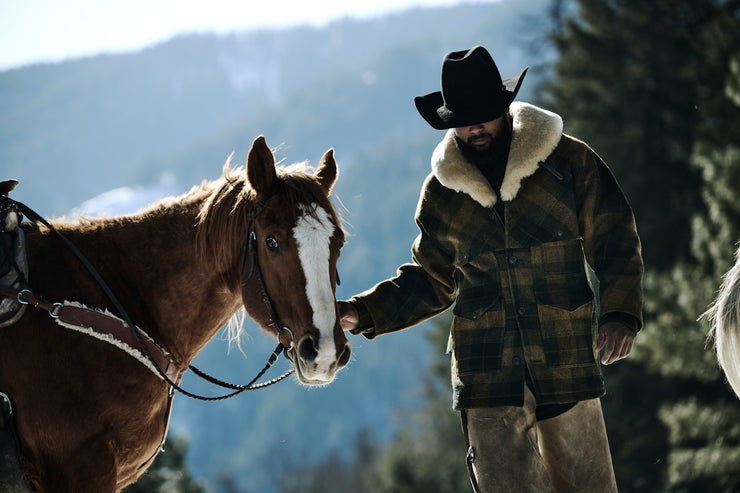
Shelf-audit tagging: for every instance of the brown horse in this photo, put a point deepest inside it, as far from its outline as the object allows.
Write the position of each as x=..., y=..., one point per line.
x=89, y=415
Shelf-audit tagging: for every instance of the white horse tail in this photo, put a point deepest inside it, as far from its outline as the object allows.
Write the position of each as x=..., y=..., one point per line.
x=724, y=317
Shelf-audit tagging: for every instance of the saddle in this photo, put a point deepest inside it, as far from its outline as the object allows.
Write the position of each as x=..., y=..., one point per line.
x=13, y=256
x=12, y=479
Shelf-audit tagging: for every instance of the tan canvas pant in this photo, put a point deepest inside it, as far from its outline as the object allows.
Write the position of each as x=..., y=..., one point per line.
x=510, y=452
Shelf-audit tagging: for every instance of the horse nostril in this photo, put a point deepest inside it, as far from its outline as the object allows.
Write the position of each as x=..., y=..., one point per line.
x=344, y=357
x=307, y=349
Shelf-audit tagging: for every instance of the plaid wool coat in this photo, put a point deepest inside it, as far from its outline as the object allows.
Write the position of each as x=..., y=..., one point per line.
x=519, y=284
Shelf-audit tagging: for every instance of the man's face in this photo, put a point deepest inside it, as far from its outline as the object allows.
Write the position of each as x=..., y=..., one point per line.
x=482, y=135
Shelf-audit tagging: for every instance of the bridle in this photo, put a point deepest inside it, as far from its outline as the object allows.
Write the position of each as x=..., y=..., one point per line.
x=249, y=246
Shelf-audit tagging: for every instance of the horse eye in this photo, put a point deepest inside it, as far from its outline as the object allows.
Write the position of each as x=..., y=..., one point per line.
x=272, y=244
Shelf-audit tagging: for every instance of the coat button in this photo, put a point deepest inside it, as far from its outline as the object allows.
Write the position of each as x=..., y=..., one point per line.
x=513, y=259
x=516, y=361
x=560, y=233
x=521, y=310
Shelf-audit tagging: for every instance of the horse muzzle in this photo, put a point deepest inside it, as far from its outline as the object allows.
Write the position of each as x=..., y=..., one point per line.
x=317, y=360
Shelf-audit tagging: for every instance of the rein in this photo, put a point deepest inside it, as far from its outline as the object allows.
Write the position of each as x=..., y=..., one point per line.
x=238, y=389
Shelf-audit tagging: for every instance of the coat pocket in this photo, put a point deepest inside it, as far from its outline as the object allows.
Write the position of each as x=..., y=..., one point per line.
x=479, y=321
x=568, y=336
x=478, y=345
x=560, y=278
x=565, y=303
x=478, y=285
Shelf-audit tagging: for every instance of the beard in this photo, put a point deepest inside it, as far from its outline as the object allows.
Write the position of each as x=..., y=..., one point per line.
x=496, y=151
x=484, y=147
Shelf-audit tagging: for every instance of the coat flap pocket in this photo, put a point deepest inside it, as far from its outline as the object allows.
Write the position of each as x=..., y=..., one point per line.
x=474, y=299
x=560, y=277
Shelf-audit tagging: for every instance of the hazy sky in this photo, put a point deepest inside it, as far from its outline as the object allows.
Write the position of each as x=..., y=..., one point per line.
x=51, y=30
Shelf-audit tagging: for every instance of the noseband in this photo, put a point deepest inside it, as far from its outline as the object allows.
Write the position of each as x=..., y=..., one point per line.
x=250, y=248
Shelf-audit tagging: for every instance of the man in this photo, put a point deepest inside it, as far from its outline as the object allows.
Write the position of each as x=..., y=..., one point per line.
x=510, y=216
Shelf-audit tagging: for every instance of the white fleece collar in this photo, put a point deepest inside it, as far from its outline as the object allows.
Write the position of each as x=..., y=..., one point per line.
x=535, y=134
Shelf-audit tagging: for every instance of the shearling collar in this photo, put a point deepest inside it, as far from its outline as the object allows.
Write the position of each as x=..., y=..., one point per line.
x=535, y=134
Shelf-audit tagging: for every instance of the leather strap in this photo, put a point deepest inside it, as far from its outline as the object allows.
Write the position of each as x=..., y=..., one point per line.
x=99, y=322
x=27, y=297
x=105, y=324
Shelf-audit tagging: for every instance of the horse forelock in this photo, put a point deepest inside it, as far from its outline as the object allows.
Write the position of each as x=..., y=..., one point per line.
x=302, y=190
x=223, y=215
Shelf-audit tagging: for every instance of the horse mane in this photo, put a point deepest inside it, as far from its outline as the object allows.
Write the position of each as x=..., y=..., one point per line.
x=724, y=319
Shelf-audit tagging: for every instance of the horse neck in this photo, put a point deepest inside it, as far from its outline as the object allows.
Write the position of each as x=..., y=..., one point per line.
x=186, y=298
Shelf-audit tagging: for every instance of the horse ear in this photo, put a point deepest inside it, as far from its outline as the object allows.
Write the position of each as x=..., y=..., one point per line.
x=261, y=167
x=327, y=171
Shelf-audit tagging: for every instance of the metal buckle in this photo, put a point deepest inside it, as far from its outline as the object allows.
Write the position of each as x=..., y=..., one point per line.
x=23, y=291
x=54, y=312
x=284, y=329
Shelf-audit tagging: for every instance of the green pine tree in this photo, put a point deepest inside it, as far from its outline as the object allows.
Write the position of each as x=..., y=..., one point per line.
x=625, y=82
x=704, y=434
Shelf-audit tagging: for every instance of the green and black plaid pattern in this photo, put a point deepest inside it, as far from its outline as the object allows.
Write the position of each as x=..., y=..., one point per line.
x=519, y=283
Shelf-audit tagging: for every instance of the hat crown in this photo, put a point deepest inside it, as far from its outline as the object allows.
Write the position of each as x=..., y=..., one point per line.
x=470, y=78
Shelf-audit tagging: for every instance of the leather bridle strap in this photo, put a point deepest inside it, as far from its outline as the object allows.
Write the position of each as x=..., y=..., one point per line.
x=99, y=322
x=250, y=247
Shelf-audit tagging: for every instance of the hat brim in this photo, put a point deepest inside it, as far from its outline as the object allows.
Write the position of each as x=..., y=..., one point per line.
x=432, y=107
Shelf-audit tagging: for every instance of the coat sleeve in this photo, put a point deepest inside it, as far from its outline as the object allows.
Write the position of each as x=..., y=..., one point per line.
x=421, y=289
x=610, y=240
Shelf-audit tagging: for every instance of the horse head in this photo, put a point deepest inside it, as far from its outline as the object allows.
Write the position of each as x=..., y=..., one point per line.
x=289, y=266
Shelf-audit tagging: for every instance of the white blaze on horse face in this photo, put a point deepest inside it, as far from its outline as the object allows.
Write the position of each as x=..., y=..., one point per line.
x=313, y=234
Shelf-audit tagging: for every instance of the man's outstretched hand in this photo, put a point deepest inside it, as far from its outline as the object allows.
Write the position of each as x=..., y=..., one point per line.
x=348, y=316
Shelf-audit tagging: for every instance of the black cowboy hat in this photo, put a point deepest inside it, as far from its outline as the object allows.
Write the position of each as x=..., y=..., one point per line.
x=472, y=91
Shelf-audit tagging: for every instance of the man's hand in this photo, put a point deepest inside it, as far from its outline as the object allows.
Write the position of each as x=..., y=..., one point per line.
x=616, y=340
x=348, y=316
